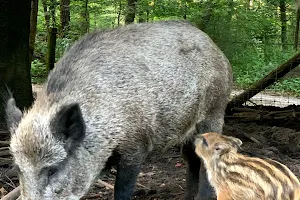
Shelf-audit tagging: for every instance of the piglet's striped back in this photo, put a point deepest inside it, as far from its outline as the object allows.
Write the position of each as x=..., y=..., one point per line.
x=236, y=176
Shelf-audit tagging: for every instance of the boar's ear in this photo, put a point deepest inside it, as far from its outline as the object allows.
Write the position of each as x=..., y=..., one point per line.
x=13, y=113
x=68, y=125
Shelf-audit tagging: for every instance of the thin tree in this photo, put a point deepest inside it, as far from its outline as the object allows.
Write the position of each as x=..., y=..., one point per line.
x=209, y=7
x=14, y=48
x=119, y=12
x=85, y=19
x=131, y=9
x=141, y=11
x=185, y=7
x=64, y=17
x=52, y=10
x=46, y=13
x=33, y=23
x=283, y=19
x=297, y=26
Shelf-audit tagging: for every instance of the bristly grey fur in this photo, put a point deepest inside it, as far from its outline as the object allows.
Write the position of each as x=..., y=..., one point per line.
x=139, y=87
x=12, y=113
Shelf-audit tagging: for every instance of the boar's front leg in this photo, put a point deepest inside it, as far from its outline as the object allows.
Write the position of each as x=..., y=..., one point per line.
x=125, y=180
x=128, y=168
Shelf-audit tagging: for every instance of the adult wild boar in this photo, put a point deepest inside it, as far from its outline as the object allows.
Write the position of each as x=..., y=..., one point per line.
x=126, y=92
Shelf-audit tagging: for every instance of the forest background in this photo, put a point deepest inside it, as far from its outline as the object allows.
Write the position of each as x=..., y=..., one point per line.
x=255, y=35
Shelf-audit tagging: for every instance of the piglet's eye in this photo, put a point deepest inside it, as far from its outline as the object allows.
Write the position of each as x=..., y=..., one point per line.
x=217, y=148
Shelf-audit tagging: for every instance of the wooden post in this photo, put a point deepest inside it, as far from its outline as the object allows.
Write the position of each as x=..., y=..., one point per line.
x=260, y=85
x=50, y=57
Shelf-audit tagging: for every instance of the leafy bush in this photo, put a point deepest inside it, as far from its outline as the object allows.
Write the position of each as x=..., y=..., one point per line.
x=38, y=72
x=289, y=86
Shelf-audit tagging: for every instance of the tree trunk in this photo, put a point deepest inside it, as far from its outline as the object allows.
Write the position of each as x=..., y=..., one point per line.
x=14, y=48
x=131, y=9
x=64, y=17
x=184, y=9
x=46, y=13
x=247, y=4
x=33, y=23
x=52, y=9
x=119, y=12
x=283, y=19
x=297, y=3
x=297, y=29
x=141, y=17
x=141, y=12
x=85, y=20
x=87, y=16
x=228, y=18
x=51, y=44
x=210, y=6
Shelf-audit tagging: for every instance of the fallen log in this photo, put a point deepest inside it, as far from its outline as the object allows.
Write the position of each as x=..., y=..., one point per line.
x=5, y=161
x=260, y=85
x=4, y=143
x=12, y=195
x=5, y=152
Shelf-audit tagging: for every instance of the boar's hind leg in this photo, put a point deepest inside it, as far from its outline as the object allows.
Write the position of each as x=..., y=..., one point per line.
x=192, y=171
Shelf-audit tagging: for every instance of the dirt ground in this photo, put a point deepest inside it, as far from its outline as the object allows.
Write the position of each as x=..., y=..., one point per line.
x=163, y=175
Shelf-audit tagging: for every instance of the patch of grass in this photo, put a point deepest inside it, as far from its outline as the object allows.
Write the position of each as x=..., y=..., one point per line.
x=289, y=86
x=38, y=72
x=247, y=75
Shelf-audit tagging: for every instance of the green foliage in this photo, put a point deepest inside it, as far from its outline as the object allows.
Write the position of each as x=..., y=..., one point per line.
x=248, y=34
x=289, y=86
x=61, y=45
x=38, y=72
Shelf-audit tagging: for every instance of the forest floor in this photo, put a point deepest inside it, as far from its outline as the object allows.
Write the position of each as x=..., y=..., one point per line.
x=163, y=174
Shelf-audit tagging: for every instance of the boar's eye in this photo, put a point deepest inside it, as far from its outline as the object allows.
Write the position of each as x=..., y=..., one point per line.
x=51, y=171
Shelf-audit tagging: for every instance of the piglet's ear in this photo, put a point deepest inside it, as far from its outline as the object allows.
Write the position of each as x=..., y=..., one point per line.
x=68, y=125
x=235, y=141
x=13, y=113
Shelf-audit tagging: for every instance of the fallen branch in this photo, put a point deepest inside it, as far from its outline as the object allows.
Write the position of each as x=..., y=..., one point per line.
x=9, y=174
x=4, y=143
x=143, y=186
x=91, y=196
x=104, y=184
x=12, y=195
x=5, y=161
x=4, y=132
x=15, y=193
x=5, y=152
